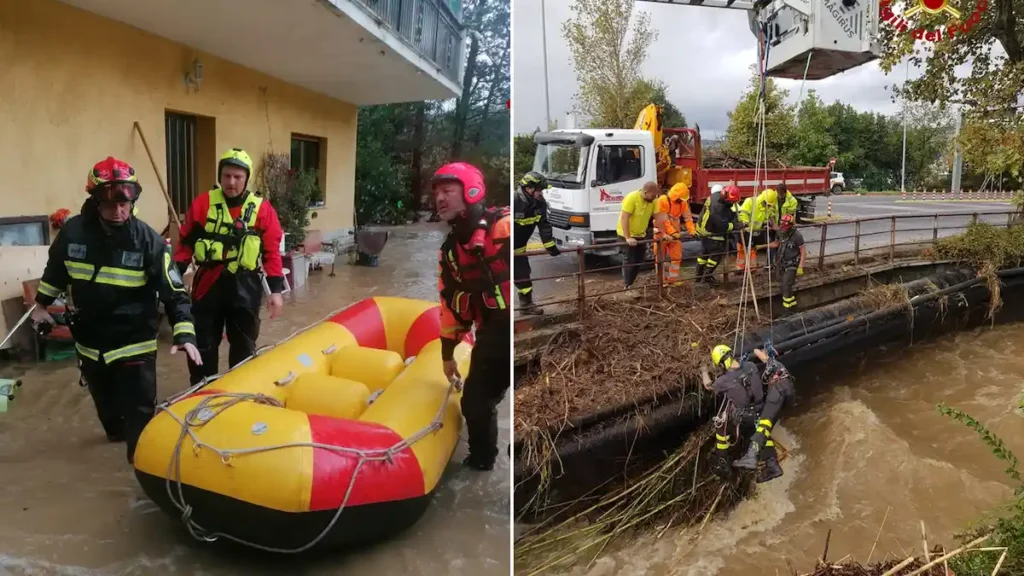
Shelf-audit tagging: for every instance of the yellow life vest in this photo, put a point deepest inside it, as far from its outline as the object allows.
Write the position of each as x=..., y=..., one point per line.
x=225, y=239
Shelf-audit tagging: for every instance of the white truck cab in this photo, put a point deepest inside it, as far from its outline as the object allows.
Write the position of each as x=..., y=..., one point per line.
x=590, y=172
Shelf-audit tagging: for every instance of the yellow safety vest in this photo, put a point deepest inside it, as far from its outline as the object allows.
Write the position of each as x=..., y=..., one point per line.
x=225, y=239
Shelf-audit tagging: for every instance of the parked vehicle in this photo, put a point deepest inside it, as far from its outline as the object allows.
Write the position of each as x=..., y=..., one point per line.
x=592, y=170
x=837, y=183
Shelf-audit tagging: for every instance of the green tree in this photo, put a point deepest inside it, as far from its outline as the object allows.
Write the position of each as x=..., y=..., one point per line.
x=813, y=143
x=672, y=117
x=524, y=148
x=742, y=134
x=992, y=137
x=607, y=54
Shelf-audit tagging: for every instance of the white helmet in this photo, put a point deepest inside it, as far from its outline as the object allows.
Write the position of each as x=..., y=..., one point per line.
x=716, y=189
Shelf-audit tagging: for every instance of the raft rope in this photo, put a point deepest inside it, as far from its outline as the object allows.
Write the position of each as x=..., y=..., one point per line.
x=207, y=410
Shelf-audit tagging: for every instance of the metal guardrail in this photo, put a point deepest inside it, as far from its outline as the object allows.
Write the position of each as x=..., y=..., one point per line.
x=817, y=240
x=428, y=27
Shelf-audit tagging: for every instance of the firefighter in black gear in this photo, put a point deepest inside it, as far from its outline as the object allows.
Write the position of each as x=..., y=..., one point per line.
x=779, y=392
x=530, y=210
x=717, y=221
x=118, y=268
x=789, y=259
x=741, y=385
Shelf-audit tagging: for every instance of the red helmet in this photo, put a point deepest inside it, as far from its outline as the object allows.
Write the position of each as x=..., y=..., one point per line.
x=113, y=180
x=469, y=176
x=786, y=222
x=731, y=194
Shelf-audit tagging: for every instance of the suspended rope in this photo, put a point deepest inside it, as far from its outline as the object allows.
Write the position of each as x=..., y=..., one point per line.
x=761, y=154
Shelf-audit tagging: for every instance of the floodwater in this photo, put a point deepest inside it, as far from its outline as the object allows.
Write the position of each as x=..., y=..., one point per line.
x=869, y=443
x=70, y=504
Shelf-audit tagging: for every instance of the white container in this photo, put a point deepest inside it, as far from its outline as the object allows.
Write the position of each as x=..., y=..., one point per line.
x=300, y=269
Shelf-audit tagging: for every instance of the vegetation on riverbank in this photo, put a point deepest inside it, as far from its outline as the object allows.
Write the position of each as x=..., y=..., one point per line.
x=1006, y=523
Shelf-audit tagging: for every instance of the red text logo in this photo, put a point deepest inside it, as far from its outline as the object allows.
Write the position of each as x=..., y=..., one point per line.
x=959, y=23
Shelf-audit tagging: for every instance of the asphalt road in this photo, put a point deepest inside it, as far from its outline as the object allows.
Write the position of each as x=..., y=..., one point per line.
x=914, y=224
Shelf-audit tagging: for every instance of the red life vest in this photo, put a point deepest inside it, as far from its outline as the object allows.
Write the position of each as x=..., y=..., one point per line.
x=476, y=283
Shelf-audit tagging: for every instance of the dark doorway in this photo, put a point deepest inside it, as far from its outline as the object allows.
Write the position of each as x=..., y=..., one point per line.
x=181, y=159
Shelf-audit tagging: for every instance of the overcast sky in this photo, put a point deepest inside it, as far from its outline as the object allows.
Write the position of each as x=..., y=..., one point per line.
x=702, y=54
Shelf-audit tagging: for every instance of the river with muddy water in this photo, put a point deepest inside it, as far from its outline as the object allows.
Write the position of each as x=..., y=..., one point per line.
x=70, y=504
x=868, y=441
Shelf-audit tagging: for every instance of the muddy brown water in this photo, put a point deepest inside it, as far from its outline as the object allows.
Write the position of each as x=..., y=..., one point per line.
x=871, y=441
x=70, y=504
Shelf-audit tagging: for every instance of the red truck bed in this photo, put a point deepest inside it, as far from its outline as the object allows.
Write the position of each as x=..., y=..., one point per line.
x=799, y=181
x=685, y=149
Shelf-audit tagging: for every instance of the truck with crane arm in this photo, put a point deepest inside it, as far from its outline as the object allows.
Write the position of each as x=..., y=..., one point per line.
x=591, y=170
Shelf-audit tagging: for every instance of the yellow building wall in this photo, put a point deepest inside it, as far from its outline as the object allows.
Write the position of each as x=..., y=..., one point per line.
x=72, y=83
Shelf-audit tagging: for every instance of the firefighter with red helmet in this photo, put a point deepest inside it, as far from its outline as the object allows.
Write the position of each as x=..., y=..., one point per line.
x=474, y=287
x=790, y=254
x=234, y=236
x=717, y=221
x=117, y=267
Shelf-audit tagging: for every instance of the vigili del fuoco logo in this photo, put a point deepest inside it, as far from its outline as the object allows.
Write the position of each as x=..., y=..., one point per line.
x=958, y=24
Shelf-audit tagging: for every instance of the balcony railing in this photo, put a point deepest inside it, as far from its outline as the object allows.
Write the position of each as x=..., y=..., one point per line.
x=427, y=26
x=827, y=244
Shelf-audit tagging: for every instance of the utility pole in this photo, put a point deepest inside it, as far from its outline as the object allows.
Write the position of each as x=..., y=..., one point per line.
x=903, y=168
x=544, y=44
x=958, y=159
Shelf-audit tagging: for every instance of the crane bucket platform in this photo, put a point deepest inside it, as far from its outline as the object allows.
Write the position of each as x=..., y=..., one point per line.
x=837, y=35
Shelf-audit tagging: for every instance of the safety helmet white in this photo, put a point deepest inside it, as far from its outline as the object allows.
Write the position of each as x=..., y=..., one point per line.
x=716, y=189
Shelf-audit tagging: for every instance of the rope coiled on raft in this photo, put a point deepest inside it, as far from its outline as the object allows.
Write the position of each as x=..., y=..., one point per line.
x=214, y=404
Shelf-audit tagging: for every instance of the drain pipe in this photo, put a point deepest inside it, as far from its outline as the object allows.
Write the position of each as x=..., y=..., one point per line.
x=914, y=302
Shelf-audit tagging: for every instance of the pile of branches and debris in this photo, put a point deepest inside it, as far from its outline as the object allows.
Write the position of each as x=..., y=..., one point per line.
x=679, y=492
x=934, y=562
x=723, y=160
x=624, y=352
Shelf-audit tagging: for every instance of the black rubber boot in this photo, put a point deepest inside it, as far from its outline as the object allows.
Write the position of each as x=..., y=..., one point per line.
x=770, y=471
x=701, y=271
x=749, y=460
x=720, y=465
x=477, y=464
x=709, y=276
x=526, y=305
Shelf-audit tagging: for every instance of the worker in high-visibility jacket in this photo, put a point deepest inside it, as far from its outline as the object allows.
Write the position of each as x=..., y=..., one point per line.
x=118, y=269
x=788, y=204
x=757, y=212
x=474, y=285
x=671, y=213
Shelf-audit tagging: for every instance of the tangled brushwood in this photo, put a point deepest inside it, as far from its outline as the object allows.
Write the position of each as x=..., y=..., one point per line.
x=679, y=492
x=989, y=249
x=624, y=352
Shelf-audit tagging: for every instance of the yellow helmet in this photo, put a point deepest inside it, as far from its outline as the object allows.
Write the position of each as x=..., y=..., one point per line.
x=236, y=157
x=770, y=196
x=679, y=193
x=719, y=354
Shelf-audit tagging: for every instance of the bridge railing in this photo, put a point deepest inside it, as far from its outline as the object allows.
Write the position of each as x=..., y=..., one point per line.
x=837, y=243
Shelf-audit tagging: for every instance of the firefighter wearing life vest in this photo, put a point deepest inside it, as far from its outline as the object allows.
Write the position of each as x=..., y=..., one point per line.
x=474, y=286
x=671, y=214
x=717, y=221
x=117, y=267
x=531, y=211
x=228, y=231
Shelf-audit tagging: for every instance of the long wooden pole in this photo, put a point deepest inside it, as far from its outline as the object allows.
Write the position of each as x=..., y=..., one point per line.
x=160, y=180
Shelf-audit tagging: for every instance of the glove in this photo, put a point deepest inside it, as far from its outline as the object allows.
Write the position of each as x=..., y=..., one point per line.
x=800, y=271
x=554, y=251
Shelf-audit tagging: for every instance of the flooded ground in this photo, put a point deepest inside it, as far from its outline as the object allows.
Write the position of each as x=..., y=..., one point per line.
x=868, y=442
x=70, y=504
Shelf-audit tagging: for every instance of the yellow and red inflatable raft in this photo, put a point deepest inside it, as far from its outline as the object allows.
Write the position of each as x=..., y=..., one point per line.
x=367, y=379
